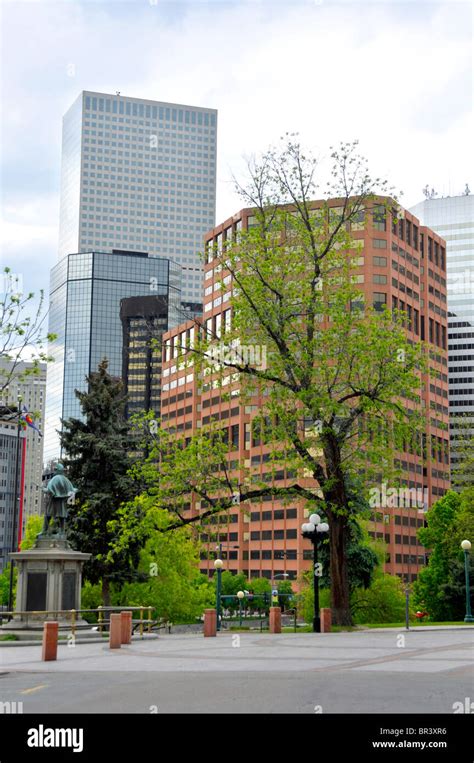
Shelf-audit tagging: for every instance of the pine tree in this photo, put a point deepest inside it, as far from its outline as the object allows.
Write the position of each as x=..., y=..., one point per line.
x=98, y=463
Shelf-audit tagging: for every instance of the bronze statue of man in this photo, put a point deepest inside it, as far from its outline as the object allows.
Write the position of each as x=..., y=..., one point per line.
x=60, y=491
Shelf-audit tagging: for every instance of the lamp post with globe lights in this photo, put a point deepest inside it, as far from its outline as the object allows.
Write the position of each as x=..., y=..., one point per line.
x=466, y=547
x=314, y=530
x=218, y=564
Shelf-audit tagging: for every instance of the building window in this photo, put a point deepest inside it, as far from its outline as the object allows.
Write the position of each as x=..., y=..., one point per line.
x=379, y=300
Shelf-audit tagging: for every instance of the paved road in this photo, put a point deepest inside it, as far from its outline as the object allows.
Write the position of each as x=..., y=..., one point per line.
x=421, y=672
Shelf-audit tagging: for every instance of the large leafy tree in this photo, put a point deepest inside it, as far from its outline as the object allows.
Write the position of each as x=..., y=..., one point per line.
x=98, y=461
x=339, y=392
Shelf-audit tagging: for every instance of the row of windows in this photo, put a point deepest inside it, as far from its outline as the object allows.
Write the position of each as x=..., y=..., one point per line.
x=150, y=112
x=273, y=534
x=405, y=289
x=267, y=516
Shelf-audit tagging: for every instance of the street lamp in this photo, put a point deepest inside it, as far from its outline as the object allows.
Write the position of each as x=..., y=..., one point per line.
x=466, y=547
x=240, y=596
x=218, y=564
x=279, y=575
x=313, y=530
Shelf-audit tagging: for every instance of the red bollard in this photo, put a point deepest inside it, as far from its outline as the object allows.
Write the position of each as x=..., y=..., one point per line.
x=126, y=627
x=115, y=633
x=326, y=619
x=50, y=641
x=210, y=622
x=275, y=620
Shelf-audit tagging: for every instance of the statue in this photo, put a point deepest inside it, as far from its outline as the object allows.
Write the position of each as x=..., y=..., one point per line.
x=60, y=491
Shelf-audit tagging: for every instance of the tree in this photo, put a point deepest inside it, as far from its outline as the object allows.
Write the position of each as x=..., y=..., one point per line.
x=362, y=557
x=98, y=461
x=382, y=602
x=21, y=334
x=172, y=583
x=33, y=527
x=440, y=586
x=340, y=391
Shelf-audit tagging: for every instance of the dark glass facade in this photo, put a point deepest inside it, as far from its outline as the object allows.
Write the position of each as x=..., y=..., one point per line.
x=85, y=296
x=144, y=321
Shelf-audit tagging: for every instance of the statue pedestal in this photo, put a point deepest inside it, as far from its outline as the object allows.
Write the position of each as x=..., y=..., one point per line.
x=49, y=578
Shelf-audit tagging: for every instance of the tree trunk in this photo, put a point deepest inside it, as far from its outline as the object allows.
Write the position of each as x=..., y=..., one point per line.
x=105, y=592
x=340, y=595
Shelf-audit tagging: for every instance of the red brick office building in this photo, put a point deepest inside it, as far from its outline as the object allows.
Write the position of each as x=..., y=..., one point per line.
x=401, y=264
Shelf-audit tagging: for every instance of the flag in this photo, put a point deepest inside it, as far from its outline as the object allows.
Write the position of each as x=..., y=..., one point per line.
x=27, y=420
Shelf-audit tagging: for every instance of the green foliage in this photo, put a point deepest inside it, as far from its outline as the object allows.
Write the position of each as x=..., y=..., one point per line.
x=91, y=595
x=382, y=602
x=98, y=461
x=172, y=582
x=5, y=584
x=305, y=598
x=440, y=586
x=231, y=584
x=168, y=580
x=33, y=527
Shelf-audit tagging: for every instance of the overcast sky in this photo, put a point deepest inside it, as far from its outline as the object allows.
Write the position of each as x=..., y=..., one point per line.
x=397, y=76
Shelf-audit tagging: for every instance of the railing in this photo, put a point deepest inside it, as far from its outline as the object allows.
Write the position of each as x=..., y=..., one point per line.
x=101, y=612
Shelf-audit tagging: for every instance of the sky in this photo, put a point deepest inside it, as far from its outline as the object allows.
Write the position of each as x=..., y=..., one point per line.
x=397, y=76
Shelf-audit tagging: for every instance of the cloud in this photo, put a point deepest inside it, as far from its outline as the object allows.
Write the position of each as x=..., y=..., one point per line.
x=394, y=75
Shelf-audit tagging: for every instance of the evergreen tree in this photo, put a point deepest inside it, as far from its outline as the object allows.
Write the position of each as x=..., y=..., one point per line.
x=98, y=463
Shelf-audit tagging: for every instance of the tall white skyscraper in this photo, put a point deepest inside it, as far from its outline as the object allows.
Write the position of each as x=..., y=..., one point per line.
x=453, y=219
x=139, y=175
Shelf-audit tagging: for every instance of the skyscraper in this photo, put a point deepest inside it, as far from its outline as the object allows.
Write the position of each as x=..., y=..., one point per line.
x=453, y=219
x=85, y=294
x=399, y=263
x=138, y=175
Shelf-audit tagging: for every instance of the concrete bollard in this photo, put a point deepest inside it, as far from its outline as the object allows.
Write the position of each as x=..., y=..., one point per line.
x=326, y=619
x=115, y=633
x=126, y=627
x=210, y=622
x=50, y=641
x=275, y=620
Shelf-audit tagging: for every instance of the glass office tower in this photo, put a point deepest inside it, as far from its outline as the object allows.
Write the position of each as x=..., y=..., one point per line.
x=453, y=219
x=139, y=175
x=85, y=295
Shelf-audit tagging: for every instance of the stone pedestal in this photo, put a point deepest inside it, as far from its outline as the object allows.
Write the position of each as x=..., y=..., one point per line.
x=49, y=578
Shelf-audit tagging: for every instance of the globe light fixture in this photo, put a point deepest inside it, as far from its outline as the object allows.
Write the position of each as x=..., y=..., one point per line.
x=314, y=530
